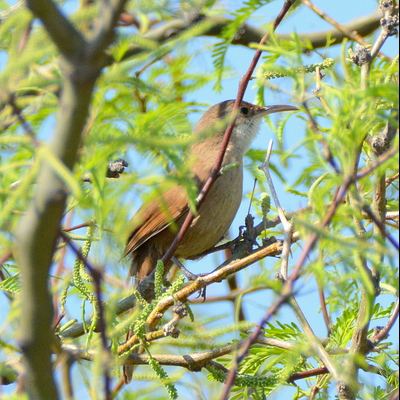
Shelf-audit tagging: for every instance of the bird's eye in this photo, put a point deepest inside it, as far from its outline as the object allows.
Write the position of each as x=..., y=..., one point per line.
x=244, y=110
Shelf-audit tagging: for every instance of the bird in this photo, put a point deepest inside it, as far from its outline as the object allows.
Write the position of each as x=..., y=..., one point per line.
x=154, y=227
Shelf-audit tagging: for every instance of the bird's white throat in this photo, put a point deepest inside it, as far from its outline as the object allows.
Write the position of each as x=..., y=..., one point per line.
x=244, y=133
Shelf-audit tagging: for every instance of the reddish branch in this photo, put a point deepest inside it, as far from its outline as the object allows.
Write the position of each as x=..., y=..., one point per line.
x=242, y=88
x=384, y=333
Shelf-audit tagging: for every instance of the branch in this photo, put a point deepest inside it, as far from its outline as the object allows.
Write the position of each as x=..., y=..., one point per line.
x=363, y=56
x=182, y=295
x=13, y=9
x=287, y=226
x=193, y=361
x=389, y=23
x=77, y=330
x=351, y=34
x=308, y=374
x=214, y=26
x=384, y=332
x=26, y=127
x=39, y=228
x=58, y=27
x=383, y=141
x=103, y=33
x=381, y=160
x=216, y=276
x=249, y=34
x=313, y=341
x=379, y=221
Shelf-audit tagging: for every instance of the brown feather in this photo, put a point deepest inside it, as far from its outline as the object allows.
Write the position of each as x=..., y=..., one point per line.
x=156, y=216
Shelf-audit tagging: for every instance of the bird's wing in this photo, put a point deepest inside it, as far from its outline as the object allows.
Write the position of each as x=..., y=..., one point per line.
x=156, y=216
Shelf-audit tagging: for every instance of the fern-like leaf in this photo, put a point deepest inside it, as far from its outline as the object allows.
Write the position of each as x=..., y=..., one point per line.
x=230, y=32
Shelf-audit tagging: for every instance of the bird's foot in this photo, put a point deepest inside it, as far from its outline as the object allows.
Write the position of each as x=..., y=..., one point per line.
x=190, y=276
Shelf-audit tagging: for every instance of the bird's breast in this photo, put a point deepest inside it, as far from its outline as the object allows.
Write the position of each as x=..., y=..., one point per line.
x=215, y=214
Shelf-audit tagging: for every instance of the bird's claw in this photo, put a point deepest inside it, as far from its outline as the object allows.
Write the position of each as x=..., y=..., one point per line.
x=190, y=276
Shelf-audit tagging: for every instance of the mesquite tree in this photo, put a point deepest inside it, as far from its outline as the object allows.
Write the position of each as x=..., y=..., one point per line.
x=88, y=89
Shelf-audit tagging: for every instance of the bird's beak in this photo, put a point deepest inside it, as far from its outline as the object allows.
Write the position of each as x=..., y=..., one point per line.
x=274, y=109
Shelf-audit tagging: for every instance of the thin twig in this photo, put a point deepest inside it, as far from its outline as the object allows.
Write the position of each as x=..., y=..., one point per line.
x=350, y=34
x=381, y=160
x=8, y=254
x=308, y=374
x=389, y=181
x=324, y=309
x=381, y=227
x=313, y=341
x=326, y=151
x=28, y=130
x=314, y=391
x=317, y=90
x=97, y=277
x=287, y=226
x=82, y=225
x=384, y=332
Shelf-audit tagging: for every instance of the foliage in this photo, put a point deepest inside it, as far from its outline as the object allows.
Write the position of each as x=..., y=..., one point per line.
x=141, y=111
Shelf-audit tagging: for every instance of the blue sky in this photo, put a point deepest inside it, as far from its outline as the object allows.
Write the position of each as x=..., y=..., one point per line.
x=238, y=59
